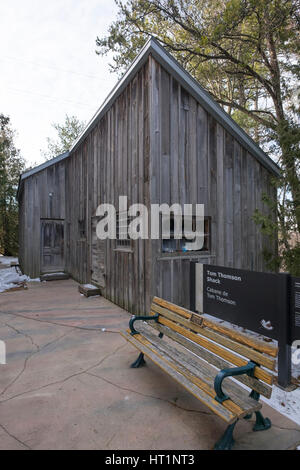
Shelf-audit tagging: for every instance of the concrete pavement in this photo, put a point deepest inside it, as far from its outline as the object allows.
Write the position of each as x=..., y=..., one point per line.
x=67, y=383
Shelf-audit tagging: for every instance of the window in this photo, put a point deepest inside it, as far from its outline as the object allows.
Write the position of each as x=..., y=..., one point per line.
x=123, y=220
x=172, y=245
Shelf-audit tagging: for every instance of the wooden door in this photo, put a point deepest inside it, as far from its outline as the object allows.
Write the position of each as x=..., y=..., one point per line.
x=52, y=246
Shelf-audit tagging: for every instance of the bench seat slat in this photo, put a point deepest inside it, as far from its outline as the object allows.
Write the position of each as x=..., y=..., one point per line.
x=218, y=362
x=241, y=337
x=228, y=404
x=218, y=350
x=205, y=372
x=218, y=338
x=212, y=404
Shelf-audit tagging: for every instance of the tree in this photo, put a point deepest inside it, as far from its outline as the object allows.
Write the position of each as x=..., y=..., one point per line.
x=67, y=133
x=246, y=54
x=11, y=165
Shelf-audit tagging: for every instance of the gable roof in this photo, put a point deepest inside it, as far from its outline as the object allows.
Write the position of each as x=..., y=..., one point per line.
x=170, y=64
x=167, y=61
x=39, y=168
x=44, y=165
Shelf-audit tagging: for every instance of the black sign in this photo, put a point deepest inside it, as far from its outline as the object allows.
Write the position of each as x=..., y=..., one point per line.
x=259, y=302
x=295, y=307
x=245, y=298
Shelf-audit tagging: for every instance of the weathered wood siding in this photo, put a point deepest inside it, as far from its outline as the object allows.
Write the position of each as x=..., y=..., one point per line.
x=155, y=144
x=113, y=160
x=195, y=160
x=36, y=203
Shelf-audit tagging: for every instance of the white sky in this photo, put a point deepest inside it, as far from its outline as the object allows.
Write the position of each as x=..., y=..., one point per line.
x=48, y=65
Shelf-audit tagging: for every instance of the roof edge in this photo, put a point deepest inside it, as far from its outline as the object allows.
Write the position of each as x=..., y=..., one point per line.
x=44, y=165
x=209, y=103
x=136, y=65
x=165, y=59
x=39, y=168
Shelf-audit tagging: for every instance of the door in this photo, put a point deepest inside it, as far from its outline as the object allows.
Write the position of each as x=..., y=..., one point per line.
x=97, y=256
x=52, y=246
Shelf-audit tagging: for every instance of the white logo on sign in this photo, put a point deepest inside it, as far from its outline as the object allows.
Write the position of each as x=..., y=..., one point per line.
x=267, y=325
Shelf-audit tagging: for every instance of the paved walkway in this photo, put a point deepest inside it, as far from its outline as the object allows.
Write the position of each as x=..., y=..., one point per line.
x=67, y=383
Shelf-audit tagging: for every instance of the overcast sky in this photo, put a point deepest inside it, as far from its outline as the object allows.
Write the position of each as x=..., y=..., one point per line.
x=48, y=65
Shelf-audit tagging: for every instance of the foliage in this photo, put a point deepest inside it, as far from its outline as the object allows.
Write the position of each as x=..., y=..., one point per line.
x=67, y=133
x=11, y=165
x=245, y=53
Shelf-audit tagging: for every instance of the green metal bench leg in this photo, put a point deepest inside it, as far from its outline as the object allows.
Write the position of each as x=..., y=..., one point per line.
x=261, y=423
x=226, y=442
x=139, y=362
x=255, y=395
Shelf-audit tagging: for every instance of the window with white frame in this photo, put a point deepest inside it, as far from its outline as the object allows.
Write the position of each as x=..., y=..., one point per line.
x=187, y=242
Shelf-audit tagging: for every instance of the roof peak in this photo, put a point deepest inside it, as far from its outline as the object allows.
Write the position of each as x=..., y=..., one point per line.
x=166, y=60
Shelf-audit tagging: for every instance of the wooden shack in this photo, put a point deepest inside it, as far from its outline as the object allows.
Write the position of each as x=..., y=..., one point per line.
x=158, y=138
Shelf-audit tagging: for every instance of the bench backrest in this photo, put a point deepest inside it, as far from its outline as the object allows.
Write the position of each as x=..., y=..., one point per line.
x=221, y=346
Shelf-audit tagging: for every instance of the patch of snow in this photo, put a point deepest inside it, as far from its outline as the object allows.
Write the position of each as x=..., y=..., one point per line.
x=287, y=403
x=89, y=286
x=9, y=279
x=6, y=260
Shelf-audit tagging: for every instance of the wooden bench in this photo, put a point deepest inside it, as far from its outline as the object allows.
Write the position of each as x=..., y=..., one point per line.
x=199, y=354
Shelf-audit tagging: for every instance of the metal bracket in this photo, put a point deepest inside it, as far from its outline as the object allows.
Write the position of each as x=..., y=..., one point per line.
x=145, y=318
x=247, y=369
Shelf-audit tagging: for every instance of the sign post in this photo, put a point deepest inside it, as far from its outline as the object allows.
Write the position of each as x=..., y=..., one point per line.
x=257, y=301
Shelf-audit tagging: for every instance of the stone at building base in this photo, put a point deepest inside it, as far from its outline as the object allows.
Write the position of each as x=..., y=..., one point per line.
x=89, y=290
x=54, y=276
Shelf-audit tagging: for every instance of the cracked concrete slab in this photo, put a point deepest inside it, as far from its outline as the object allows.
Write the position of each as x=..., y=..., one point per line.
x=68, y=385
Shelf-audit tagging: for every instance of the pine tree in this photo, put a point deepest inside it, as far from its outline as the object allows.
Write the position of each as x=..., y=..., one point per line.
x=246, y=54
x=11, y=165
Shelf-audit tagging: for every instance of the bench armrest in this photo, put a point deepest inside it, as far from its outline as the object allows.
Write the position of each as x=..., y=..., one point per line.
x=247, y=369
x=145, y=318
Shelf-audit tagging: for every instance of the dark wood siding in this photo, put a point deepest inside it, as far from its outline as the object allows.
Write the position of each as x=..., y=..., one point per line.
x=112, y=161
x=43, y=197
x=195, y=160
